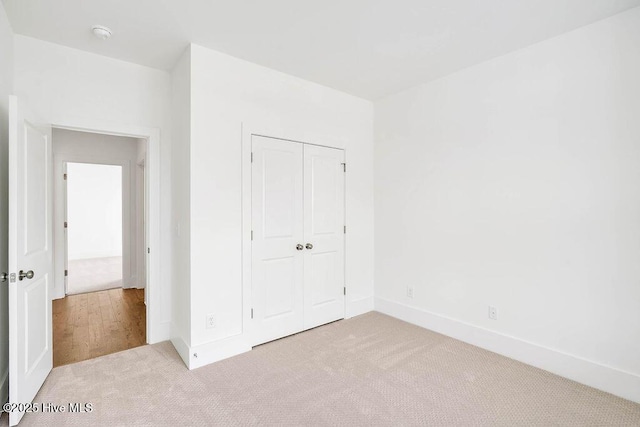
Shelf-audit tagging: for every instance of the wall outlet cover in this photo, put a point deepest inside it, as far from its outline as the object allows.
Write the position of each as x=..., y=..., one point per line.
x=211, y=321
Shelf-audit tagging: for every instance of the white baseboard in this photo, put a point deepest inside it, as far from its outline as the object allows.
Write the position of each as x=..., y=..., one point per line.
x=133, y=283
x=58, y=293
x=605, y=378
x=130, y=283
x=205, y=354
x=4, y=387
x=182, y=348
x=359, y=306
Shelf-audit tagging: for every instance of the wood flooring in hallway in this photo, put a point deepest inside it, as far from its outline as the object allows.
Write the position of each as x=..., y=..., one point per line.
x=97, y=323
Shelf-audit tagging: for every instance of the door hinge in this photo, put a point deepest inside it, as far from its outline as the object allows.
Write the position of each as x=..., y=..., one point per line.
x=345, y=290
x=345, y=229
x=344, y=166
x=251, y=157
x=252, y=313
x=251, y=234
x=148, y=250
x=65, y=224
x=66, y=273
x=65, y=176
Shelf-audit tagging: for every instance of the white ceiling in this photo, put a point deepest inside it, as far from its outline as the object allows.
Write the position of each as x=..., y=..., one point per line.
x=369, y=48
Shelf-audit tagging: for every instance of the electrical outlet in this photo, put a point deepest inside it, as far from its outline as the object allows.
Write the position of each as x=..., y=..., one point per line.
x=211, y=321
x=410, y=291
x=493, y=313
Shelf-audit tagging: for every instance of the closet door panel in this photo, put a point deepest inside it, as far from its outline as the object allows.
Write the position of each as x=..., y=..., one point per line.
x=277, y=224
x=324, y=299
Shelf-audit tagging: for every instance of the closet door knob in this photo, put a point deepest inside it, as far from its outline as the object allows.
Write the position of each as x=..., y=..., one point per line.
x=299, y=247
x=309, y=246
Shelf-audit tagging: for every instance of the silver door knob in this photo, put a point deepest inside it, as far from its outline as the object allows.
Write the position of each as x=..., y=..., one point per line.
x=309, y=246
x=3, y=277
x=22, y=275
x=299, y=247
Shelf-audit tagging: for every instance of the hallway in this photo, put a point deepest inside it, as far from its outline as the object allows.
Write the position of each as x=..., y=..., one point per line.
x=97, y=323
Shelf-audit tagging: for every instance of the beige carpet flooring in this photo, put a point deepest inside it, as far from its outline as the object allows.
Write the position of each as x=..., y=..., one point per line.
x=368, y=370
x=94, y=274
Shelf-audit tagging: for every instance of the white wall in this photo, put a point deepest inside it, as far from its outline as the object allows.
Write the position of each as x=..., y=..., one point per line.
x=6, y=89
x=66, y=85
x=516, y=183
x=227, y=93
x=94, y=211
x=181, y=125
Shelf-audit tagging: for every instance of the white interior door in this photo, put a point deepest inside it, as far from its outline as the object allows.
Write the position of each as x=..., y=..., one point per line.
x=30, y=255
x=277, y=228
x=324, y=295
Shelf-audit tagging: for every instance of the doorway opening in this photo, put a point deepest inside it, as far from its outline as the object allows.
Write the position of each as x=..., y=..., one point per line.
x=99, y=302
x=94, y=242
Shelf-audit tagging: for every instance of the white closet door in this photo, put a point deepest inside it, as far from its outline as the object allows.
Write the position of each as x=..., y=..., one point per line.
x=324, y=299
x=277, y=224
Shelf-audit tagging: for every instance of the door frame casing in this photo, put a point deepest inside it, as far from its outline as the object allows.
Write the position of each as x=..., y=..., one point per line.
x=154, y=327
x=277, y=132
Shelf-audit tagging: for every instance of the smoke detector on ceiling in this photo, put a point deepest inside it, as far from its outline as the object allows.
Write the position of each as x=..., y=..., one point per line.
x=101, y=32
